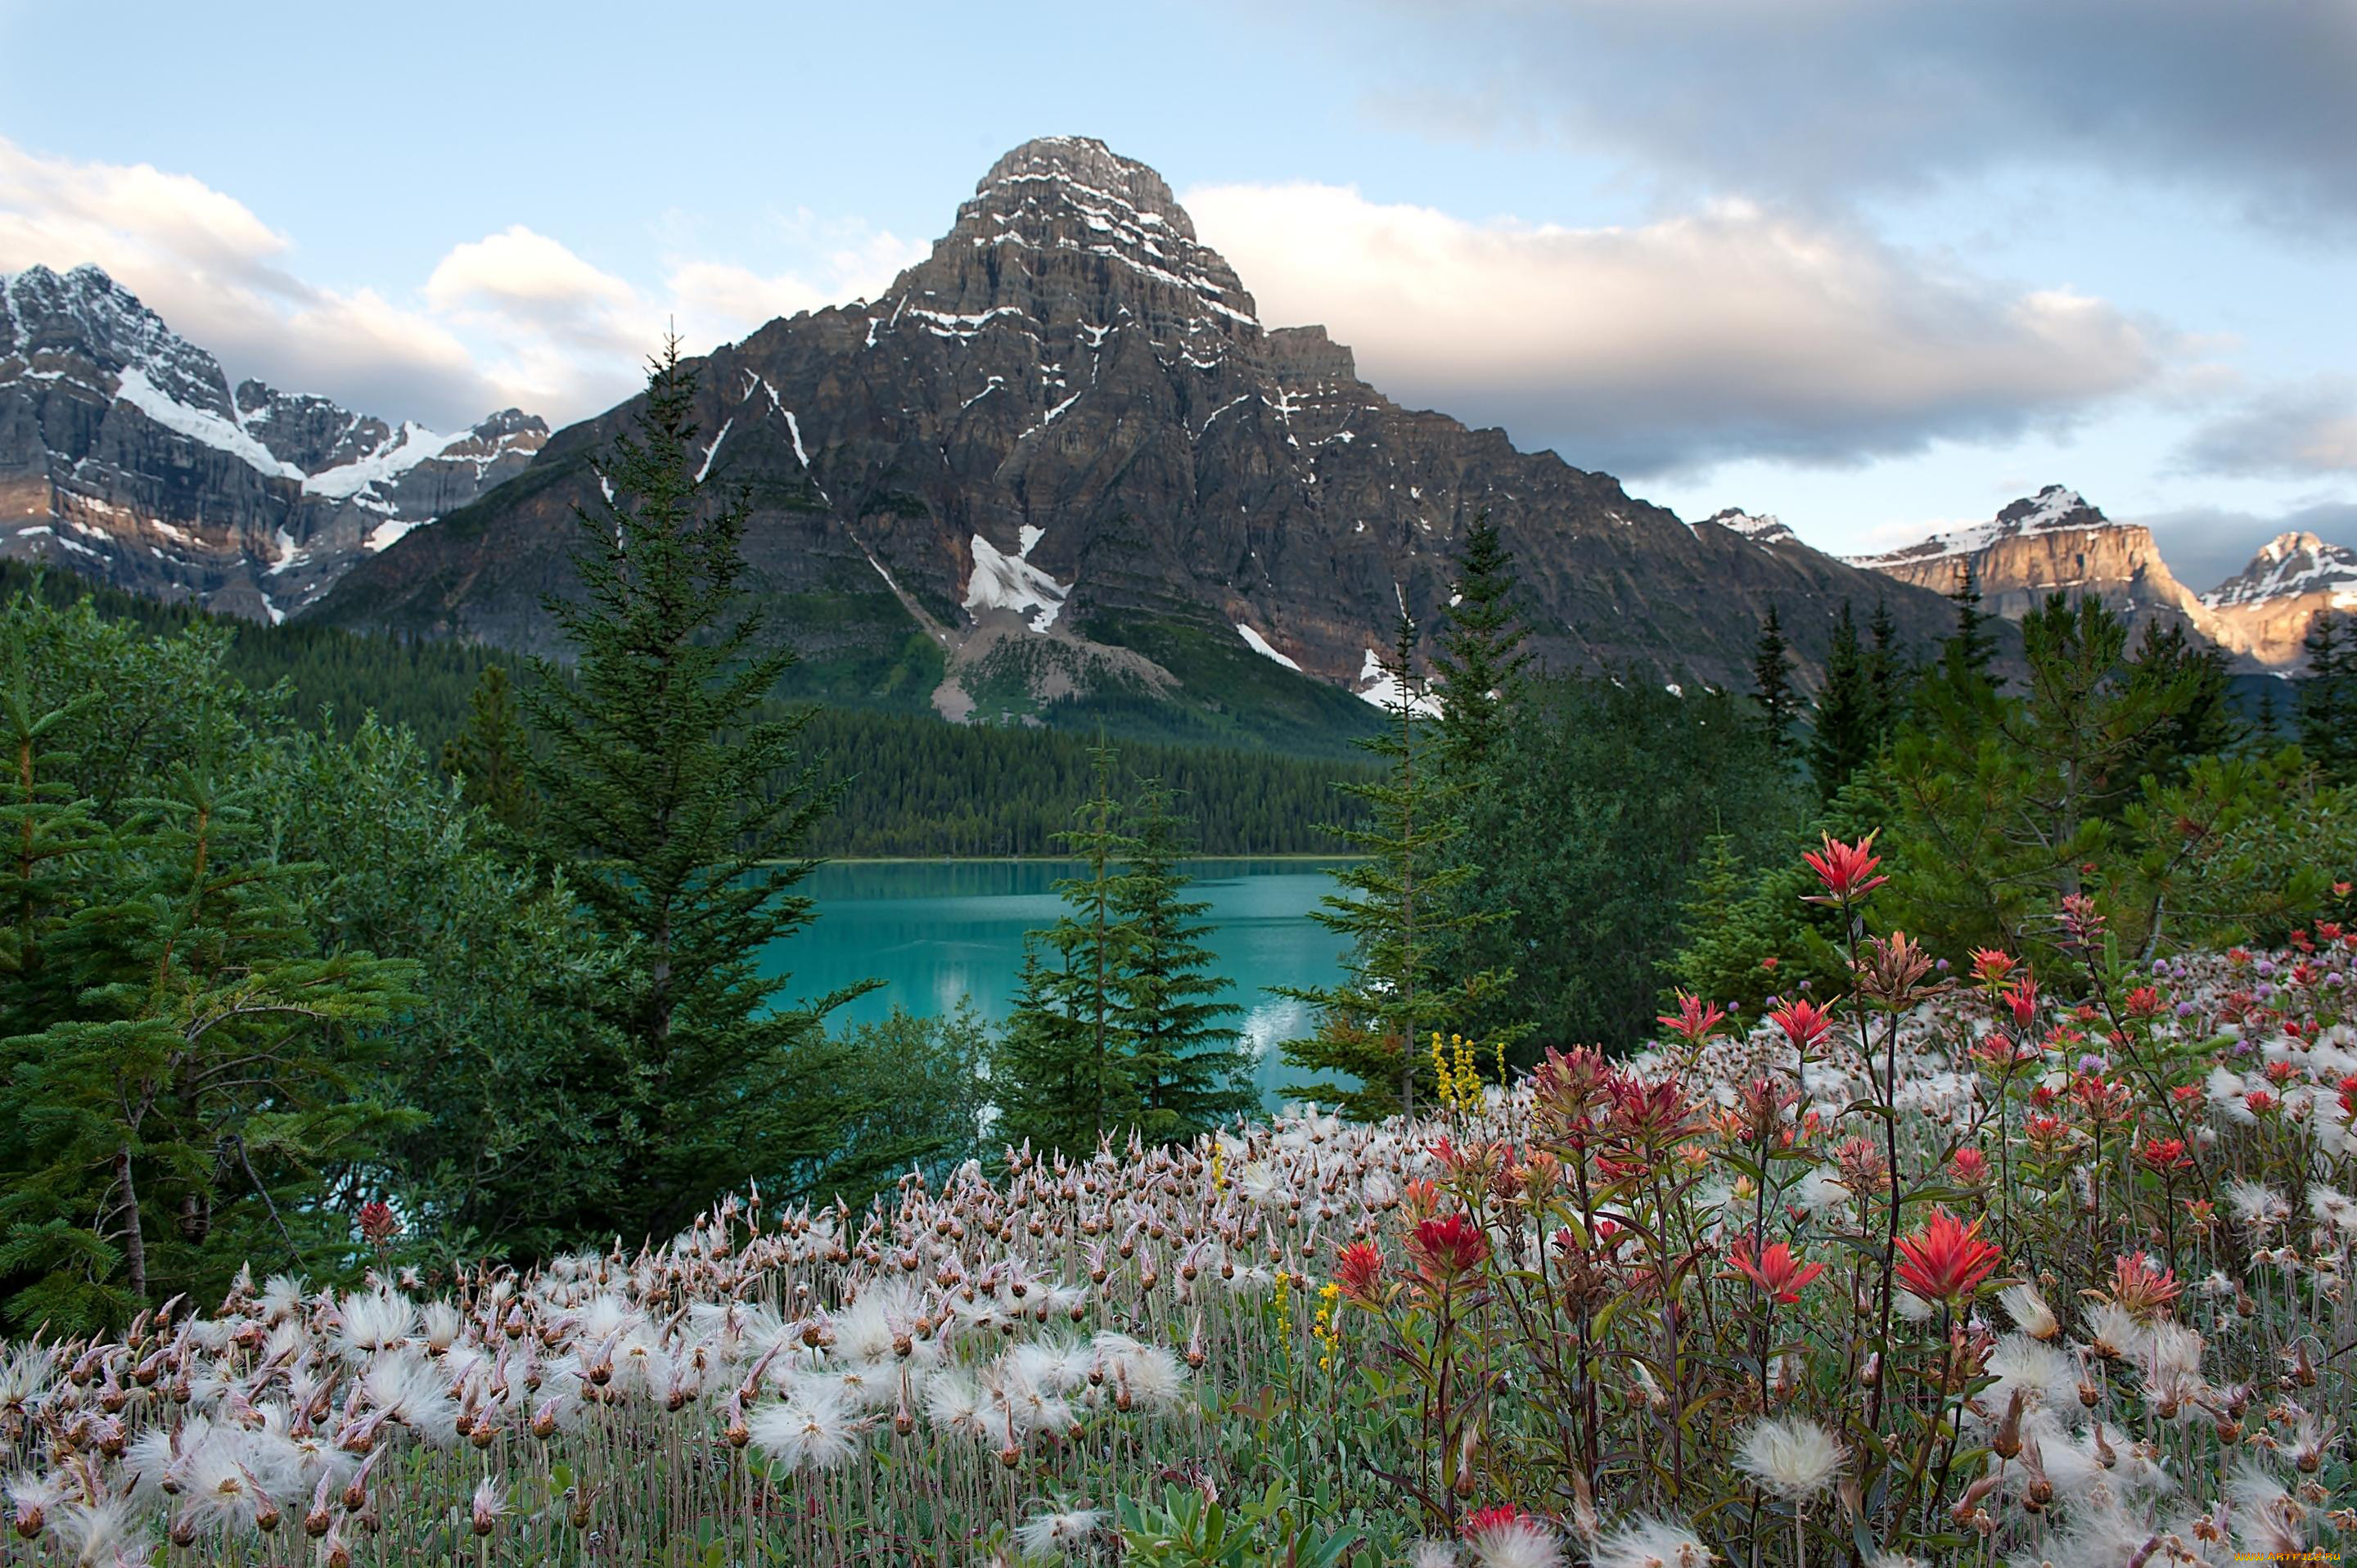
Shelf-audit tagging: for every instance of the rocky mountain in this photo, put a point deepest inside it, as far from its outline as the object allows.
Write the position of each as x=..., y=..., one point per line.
x=2265, y=610
x=2049, y=541
x=126, y=455
x=1065, y=453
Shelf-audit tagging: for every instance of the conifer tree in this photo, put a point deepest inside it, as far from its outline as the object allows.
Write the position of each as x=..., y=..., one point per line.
x=2325, y=703
x=1845, y=734
x=681, y=814
x=1970, y=649
x=1392, y=903
x=1480, y=662
x=1886, y=669
x=185, y=1113
x=1044, y=1081
x=1187, y=1065
x=489, y=755
x=1067, y=1067
x=1772, y=684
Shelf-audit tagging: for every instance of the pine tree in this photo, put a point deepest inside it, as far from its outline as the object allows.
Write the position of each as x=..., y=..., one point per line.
x=1187, y=1065
x=1772, y=684
x=2325, y=706
x=490, y=755
x=682, y=813
x=1392, y=903
x=1481, y=662
x=1844, y=736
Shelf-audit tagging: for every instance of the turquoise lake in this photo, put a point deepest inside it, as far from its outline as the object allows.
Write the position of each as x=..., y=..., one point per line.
x=933, y=932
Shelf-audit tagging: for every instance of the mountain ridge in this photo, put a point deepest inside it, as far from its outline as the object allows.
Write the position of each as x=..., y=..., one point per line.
x=1064, y=444
x=126, y=453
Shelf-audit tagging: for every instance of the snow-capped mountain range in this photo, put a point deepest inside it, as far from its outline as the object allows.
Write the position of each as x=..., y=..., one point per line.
x=2057, y=541
x=126, y=454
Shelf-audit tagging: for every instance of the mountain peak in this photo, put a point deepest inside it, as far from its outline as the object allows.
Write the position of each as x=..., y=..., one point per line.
x=2292, y=565
x=1761, y=528
x=1084, y=169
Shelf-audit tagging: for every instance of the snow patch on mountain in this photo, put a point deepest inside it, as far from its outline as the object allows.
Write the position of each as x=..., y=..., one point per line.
x=198, y=424
x=1380, y=687
x=1260, y=645
x=1758, y=527
x=1004, y=582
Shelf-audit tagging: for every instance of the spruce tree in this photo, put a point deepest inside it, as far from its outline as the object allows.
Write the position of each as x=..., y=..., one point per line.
x=1886, y=669
x=1481, y=662
x=1393, y=903
x=2325, y=703
x=1065, y=1067
x=681, y=814
x=1971, y=648
x=1772, y=684
x=185, y=1113
x=1043, y=1089
x=1188, y=1069
x=489, y=755
x=1845, y=734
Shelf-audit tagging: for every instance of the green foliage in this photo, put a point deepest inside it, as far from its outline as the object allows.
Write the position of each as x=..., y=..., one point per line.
x=1848, y=720
x=912, y=1092
x=2326, y=706
x=1772, y=685
x=1115, y=1023
x=1639, y=790
x=186, y=1069
x=2120, y=776
x=489, y=757
x=1397, y=905
x=1481, y=665
x=1186, y=1529
x=681, y=814
x=504, y=1159
x=1187, y=1067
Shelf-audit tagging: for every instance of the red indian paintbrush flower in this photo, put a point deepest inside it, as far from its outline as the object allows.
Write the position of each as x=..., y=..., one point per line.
x=1803, y=1022
x=1695, y=1021
x=1946, y=1261
x=1991, y=965
x=1846, y=869
x=2021, y=996
x=1447, y=1247
x=1359, y=1269
x=1775, y=1270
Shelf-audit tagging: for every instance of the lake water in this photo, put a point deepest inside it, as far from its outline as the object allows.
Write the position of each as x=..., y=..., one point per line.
x=934, y=931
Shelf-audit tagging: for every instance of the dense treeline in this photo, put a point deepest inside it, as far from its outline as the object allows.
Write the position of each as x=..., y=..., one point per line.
x=915, y=786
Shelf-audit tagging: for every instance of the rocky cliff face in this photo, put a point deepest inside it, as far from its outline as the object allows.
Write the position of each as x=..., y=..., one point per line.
x=2263, y=611
x=1065, y=445
x=2053, y=541
x=125, y=455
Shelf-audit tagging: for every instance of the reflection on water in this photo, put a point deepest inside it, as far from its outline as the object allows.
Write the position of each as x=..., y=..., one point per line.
x=936, y=931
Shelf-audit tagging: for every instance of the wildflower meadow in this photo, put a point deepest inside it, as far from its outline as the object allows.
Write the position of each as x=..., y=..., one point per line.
x=1970, y=1262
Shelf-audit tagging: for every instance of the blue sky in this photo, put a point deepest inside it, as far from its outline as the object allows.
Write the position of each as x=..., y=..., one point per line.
x=1874, y=267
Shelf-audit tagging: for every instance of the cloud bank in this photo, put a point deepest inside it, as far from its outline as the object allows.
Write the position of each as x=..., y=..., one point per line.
x=1828, y=98
x=1731, y=332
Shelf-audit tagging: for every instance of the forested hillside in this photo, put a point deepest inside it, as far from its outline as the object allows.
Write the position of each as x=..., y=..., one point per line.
x=912, y=785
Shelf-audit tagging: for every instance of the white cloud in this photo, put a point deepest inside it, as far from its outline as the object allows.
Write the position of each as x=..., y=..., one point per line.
x=1730, y=332
x=514, y=317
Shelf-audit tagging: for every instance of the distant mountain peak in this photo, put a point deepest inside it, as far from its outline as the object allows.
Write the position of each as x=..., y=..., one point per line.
x=2292, y=566
x=1761, y=528
x=125, y=453
x=2055, y=509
